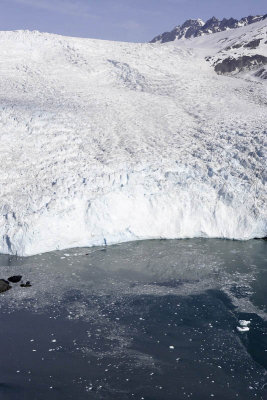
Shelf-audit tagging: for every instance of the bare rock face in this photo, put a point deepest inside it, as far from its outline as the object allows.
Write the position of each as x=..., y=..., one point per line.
x=230, y=65
x=262, y=73
x=190, y=28
x=253, y=44
x=4, y=285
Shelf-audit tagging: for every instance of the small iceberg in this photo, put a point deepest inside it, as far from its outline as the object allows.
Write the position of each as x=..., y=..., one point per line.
x=244, y=326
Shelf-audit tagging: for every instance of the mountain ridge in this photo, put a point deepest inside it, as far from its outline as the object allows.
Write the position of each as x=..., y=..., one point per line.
x=192, y=28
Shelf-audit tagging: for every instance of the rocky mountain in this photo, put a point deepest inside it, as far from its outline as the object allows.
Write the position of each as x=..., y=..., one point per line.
x=230, y=51
x=196, y=27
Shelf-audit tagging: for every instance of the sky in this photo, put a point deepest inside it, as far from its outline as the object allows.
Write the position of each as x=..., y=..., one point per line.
x=124, y=20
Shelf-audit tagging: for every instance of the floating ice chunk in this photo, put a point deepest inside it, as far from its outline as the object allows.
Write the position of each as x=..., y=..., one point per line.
x=243, y=322
x=243, y=329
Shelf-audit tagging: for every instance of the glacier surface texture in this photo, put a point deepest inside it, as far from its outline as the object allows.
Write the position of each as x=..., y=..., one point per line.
x=105, y=142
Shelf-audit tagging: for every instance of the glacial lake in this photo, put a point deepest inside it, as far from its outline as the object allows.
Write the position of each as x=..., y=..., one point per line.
x=149, y=320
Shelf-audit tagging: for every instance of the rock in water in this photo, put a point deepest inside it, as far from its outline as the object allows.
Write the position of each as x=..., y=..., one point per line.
x=15, y=278
x=4, y=286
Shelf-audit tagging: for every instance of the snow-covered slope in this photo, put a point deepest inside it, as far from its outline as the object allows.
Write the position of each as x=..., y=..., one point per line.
x=241, y=51
x=233, y=50
x=104, y=142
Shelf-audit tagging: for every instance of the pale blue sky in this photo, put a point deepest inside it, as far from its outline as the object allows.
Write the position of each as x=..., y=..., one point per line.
x=126, y=20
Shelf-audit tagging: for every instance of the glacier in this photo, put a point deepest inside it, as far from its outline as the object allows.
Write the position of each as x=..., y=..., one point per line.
x=105, y=142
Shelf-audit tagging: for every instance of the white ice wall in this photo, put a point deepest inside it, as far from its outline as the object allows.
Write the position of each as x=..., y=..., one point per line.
x=104, y=141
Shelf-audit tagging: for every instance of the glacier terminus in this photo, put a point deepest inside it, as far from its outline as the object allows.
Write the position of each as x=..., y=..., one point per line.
x=105, y=142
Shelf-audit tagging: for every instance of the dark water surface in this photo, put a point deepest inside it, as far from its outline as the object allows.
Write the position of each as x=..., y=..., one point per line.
x=153, y=320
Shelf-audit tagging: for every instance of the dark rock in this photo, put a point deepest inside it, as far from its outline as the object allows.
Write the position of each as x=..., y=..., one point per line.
x=27, y=284
x=242, y=63
x=237, y=46
x=253, y=44
x=230, y=23
x=262, y=73
x=167, y=36
x=212, y=25
x=4, y=285
x=252, y=19
x=191, y=28
x=15, y=278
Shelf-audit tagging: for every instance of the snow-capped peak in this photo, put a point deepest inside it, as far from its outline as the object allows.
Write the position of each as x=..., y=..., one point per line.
x=196, y=27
